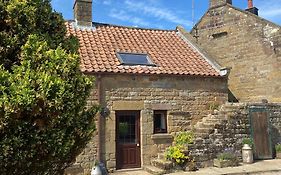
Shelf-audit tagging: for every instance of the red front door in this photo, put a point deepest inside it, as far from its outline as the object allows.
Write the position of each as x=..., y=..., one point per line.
x=128, y=139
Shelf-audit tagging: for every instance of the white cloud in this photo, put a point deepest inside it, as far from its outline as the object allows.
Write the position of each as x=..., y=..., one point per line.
x=107, y=2
x=269, y=9
x=159, y=13
x=124, y=16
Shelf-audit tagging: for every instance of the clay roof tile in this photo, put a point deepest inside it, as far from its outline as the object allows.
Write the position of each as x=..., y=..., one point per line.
x=165, y=48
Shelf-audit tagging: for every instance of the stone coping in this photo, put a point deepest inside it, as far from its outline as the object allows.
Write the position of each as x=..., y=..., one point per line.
x=161, y=136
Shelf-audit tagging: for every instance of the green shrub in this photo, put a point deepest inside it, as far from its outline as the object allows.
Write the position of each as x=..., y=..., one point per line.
x=176, y=153
x=184, y=138
x=213, y=106
x=278, y=148
x=44, y=119
x=228, y=154
x=248, y=141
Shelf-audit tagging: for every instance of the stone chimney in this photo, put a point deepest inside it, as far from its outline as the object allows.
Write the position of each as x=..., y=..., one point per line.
x=83, y=12
x=216, y=3
x=251, y=8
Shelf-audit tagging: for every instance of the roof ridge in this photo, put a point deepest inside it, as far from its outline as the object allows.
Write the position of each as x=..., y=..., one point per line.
x=131, y=27
x=128, y=27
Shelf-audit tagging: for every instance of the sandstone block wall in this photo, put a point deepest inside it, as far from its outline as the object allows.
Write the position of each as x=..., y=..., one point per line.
x=186, y=100
x=251, y=46
x=234, y=126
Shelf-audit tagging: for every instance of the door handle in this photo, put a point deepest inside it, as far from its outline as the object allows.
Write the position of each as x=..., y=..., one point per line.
x=138, y=145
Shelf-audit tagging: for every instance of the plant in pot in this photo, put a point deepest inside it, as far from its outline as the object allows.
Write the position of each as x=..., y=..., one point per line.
x=248, y=141
x=226, y=159
x=278, y=150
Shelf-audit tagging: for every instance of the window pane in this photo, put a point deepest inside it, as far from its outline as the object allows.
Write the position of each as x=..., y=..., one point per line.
x=160, y=121
x=135, y=59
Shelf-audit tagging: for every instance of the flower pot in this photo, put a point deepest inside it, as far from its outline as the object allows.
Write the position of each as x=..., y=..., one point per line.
x=224, y=163
x=278, y=155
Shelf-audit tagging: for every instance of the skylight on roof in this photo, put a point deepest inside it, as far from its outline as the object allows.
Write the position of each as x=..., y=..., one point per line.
x=134, y=59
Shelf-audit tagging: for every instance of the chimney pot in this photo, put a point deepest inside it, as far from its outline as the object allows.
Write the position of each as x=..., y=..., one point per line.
x=250, y=4
x=251, y=8
x=217, y=3
x=83, y=12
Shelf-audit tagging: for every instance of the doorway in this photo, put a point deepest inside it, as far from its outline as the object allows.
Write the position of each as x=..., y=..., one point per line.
x=260, y=130
x=128, y=139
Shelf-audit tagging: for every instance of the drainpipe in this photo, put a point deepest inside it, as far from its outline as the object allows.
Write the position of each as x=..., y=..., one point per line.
x=99, y=96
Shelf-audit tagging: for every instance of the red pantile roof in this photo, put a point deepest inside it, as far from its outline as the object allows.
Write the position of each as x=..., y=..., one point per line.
x=166, y=48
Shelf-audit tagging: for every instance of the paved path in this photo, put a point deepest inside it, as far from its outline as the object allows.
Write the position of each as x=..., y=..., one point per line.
x=269, y=167
x=266, y=167
x=139, y=172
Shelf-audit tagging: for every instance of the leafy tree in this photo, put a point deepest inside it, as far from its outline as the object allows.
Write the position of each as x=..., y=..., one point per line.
x=19, y=19
x=44, y=121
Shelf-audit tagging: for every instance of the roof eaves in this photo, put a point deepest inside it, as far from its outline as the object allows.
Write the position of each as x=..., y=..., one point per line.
x=190, y=41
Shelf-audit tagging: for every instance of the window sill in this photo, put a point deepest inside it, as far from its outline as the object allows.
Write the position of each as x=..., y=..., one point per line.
x=161, y=136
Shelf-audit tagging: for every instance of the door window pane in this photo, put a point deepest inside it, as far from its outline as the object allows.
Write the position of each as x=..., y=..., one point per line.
x=127, y=129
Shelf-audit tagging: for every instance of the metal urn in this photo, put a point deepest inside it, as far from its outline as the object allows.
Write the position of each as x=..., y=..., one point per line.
x=247, y=154
x=96, y=170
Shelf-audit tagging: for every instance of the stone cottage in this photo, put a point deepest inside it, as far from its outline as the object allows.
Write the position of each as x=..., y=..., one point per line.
x=150, y=83
x=246, y=43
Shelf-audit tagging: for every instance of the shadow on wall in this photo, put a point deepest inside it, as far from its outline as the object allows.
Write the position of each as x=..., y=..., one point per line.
x=276, y=138
x=231, y=97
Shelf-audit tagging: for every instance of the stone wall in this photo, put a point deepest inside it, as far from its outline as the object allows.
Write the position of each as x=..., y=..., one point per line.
x=248, y=44
x=233, y=126
x=186, y=99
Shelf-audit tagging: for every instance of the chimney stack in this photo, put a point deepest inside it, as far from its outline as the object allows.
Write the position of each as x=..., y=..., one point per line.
x=83, y=12
x=217, y=3
x=251, y=8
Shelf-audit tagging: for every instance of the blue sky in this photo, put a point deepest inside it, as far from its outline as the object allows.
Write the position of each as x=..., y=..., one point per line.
x=163, y=14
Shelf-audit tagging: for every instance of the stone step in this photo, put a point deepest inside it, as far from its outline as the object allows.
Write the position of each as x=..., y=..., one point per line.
x=161, y=156
x=162, y=164
x=209, y=125
x=203, y=130
x=213, y=120
x=154, y=170
x=202, y=135
x=219, y=116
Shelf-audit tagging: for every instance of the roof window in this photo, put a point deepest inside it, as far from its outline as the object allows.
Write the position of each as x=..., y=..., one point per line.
x=134, y=59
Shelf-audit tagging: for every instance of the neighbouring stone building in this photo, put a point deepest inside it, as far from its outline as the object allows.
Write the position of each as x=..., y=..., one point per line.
x=246, y=43
x=150, y=83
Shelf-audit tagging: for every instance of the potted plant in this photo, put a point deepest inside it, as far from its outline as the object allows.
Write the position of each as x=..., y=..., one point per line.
x=248, y=141
x=226, y=159
x=278, y=150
